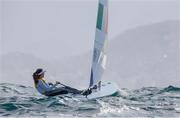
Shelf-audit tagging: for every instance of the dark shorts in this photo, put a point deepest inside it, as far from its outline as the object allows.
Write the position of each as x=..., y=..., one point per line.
x=62, y=90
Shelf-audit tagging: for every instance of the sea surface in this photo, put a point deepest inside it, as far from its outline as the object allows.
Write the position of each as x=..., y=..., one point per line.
x=24, y=101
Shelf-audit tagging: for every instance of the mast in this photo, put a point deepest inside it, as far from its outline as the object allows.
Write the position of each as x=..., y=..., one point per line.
x=100, y=44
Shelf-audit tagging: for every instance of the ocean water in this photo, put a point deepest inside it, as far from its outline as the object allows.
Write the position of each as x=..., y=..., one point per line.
x=23, y=101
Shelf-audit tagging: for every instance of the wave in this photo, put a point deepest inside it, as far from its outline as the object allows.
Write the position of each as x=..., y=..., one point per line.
x=19, y=100
x=171, y=89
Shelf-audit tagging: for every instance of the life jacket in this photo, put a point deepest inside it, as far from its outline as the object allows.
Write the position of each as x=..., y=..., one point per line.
x=42, y=86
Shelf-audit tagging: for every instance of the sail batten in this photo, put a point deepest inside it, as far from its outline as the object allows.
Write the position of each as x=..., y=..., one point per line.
x=99, y=53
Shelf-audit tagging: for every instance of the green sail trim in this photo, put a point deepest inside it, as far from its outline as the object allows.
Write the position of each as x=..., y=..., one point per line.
x=100, y=16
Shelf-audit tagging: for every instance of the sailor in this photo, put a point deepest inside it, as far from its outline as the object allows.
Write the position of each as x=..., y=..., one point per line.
x=50, y=89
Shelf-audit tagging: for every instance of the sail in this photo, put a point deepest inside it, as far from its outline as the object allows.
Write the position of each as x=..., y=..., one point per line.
x=100, y=44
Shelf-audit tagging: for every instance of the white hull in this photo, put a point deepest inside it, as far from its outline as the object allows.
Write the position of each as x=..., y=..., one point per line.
x=107, y=89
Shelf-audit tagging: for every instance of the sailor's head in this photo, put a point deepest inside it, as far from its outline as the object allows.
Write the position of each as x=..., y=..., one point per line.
x=39, y=73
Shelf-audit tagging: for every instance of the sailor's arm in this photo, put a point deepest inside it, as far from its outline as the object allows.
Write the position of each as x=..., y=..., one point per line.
x=53, y=85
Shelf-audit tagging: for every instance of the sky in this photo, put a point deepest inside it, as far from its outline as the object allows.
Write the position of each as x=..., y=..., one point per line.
x=53, y=29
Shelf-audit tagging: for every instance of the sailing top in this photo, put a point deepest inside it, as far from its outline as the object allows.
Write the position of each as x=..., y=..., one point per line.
x=40, y=83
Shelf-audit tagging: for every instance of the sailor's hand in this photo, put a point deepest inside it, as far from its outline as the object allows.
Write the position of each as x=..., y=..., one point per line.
x=58, y=82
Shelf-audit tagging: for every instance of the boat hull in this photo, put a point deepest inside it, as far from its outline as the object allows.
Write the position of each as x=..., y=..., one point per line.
x=107, y=89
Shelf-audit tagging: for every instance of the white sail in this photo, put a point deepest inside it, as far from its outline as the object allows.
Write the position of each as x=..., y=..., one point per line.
x=100, y=44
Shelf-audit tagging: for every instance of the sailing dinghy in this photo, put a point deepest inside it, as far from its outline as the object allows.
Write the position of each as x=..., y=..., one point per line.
x=97, y=88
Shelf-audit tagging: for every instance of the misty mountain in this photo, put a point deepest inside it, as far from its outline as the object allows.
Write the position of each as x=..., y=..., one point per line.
x=19, y=67
x=144, y=56
x=147, y=55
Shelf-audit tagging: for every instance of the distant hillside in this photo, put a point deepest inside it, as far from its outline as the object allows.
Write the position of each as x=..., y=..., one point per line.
x=144, y=56
x=18, y=67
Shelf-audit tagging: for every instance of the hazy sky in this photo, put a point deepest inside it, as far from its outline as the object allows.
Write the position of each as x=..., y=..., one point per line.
x=52, y=29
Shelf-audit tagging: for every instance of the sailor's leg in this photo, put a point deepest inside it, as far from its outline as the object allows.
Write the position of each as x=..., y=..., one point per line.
x=73, y=90
x=58, y=91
